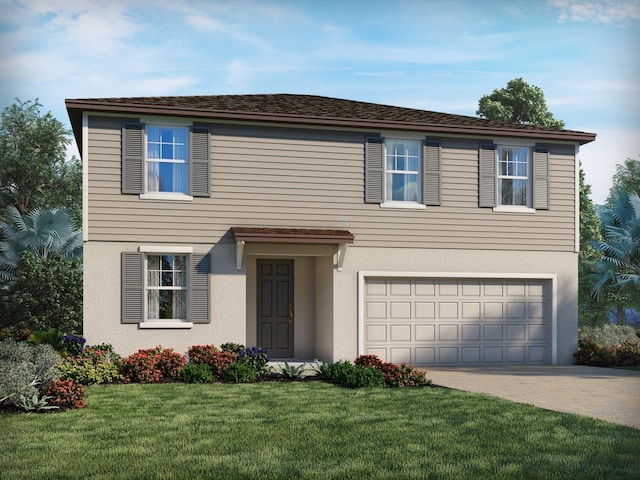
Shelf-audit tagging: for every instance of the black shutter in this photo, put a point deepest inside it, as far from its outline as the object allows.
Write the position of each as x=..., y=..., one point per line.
x=431, y=172
x=199, y=288
x=200, y=158
x=374, y=170
x=132, y=287
x=487, y=176
x=133, y=158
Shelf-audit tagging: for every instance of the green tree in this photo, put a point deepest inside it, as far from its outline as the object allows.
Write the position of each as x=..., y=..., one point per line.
x=619, y=265
x=44, y=232
x=627, y=178
x=46, y=293
x=518, y=102
x=34, y=171
x=591, y=311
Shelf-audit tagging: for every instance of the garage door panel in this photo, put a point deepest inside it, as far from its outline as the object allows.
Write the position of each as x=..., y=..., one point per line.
x=427, y=321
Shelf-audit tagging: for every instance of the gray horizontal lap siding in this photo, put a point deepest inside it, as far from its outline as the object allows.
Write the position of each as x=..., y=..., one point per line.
x=315, y=179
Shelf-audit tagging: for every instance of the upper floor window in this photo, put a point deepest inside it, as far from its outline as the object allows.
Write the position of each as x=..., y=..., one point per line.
x=167, y=159
x=514, y=178
x=513, y=175
x=165, y=162
x=402, y=171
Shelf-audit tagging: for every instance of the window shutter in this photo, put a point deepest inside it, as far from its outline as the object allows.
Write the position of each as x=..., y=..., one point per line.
x=431, y=172
x=133, y=158
x=132, y=287
x=487, y=176
x=200, y=268
x=199, y=158
x=541, y=178
x=374, y=170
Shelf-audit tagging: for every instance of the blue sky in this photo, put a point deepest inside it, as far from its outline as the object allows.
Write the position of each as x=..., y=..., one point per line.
x=430, y=54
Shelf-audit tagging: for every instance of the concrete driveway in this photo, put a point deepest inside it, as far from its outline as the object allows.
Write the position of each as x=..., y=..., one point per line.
x=608, y=394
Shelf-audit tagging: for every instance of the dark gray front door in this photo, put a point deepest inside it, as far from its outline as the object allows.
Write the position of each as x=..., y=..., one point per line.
x=275, y=307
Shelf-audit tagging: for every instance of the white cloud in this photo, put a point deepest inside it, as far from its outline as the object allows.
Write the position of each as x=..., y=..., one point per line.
x=601, y=11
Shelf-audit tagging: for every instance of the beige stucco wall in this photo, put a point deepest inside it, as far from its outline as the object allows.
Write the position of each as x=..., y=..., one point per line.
x=102, y=303
x=326, y=300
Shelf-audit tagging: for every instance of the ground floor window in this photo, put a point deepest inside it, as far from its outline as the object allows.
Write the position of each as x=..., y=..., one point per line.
x=167, y=287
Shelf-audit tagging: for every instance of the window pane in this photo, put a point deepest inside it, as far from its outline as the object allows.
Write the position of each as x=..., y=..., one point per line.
x=402, y=187
x=513, y=192
x=167, y=151
x=173, y=177
x=153, y=134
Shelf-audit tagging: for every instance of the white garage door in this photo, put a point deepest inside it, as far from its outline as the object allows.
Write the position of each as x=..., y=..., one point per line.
x=425, y=321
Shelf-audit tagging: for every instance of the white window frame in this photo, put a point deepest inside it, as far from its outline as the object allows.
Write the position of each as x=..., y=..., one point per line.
x=388, y=203
x=152, y=195
x=514, y=208
x=156, y=250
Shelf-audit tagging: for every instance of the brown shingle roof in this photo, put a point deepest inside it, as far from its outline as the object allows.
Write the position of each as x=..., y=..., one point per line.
x=290, y=235
x=314, y=110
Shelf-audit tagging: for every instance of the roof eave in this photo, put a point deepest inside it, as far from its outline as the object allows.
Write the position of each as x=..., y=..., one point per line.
x=76, y=107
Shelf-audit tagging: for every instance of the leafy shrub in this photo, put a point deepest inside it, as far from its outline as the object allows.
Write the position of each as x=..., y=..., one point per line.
x=591, y=353
x=152, y=365
x=47, y=293
x=221, y=362
x=95, y=364
x=35, y=402
x=239, y=373
x=349, y=375
x=65, y=394
x=256, y=358
x=231, y=347
x=628, y=354
x=609, y=334
x=23, y=368
x=18, y=334
x=197, y=373
x=395, y=375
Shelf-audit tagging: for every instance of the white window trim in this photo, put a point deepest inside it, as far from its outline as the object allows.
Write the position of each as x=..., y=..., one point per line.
x=166, y=196
x=180, y=196
x=410, y=205
x=552, y=277
x=165, y=250
x=515, y=208
x=399, y=203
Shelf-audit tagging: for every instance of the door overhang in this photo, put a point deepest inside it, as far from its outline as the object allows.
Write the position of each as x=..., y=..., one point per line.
x=320, y=238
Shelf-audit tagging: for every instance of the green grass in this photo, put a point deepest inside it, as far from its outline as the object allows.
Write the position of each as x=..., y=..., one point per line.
x=309, y=430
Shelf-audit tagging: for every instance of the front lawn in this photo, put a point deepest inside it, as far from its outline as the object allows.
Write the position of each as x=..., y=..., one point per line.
x=309, y=430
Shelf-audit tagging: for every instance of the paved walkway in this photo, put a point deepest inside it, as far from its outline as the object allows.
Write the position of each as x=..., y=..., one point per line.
x=609, y=394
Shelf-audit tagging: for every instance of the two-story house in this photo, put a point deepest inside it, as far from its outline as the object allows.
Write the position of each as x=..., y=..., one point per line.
x=325, y=228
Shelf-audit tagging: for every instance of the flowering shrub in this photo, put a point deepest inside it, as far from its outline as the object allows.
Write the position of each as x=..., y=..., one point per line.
x=95, y=364
x=221, y=362
x=152, y=365
x=256, y=358
x=64, y=394
x=395, y=375
x=72, y=344
x=202, y=354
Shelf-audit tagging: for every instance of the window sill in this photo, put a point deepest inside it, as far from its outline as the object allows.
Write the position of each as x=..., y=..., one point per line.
x=403, y=205
x=181, y=197
x=510, y=209
x=176, y=324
